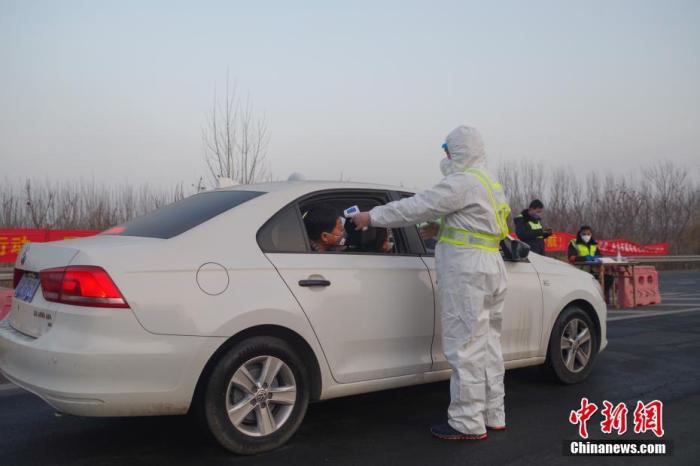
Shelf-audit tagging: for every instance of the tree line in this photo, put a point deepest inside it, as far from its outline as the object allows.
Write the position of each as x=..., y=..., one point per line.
x=659, y=203
x=654, y=204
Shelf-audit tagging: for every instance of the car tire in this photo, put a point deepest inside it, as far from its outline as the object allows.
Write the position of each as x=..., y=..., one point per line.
x=266, y=410
x=573, y=346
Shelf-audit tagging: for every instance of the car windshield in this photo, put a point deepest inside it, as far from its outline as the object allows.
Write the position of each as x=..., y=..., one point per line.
x=182, y=215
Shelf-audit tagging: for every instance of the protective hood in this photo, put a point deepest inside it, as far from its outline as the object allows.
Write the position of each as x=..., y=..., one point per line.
x=466, y=151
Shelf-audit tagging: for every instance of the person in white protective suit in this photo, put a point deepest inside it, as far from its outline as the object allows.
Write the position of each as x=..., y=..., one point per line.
x=471, y=279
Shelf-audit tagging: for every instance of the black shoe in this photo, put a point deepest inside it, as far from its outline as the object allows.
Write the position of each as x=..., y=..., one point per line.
x=446, y=432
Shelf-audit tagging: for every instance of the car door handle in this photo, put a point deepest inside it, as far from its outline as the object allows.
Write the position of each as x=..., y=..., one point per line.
x=314, y=282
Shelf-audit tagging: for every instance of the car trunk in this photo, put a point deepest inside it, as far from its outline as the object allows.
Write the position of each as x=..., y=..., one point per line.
x=31, y=314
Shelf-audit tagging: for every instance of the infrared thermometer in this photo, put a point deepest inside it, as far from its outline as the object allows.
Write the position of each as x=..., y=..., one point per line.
x=350, y=212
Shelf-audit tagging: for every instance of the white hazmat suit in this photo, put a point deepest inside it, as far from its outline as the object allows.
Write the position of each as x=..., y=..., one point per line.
x=471, y=282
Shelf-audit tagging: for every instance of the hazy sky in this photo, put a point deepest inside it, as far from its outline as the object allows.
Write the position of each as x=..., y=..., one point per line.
x=120, y=90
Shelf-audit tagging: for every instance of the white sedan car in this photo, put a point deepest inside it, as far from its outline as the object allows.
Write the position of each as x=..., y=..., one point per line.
x=218, y=306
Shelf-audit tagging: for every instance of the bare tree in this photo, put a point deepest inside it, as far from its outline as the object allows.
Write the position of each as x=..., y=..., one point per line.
x=674, y=201
x=78, y=205
x=235, y=139
x=39, y=206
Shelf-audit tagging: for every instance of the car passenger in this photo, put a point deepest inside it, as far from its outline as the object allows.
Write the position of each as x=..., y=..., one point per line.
x=325, y=229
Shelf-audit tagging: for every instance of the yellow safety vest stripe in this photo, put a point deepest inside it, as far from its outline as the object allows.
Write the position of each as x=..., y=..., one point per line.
x=502, y=210
x=472, y=239
x=584, y=249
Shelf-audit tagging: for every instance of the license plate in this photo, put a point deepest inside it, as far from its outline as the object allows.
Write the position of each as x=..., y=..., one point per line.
x=26, y=289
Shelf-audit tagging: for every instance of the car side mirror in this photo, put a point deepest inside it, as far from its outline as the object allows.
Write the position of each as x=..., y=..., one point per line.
x=520, y=250
x=514, y=250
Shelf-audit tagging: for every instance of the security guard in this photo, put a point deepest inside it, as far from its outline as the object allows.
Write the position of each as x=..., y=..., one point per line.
x=528, y=227
x=585, y=249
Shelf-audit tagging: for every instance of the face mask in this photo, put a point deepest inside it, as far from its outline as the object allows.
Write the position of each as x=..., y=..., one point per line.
x=586, y=238
x=339, y=240
x=535, y=216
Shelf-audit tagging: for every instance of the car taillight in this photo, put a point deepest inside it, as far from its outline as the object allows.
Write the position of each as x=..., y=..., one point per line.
x=81, y=285
x=16, y=277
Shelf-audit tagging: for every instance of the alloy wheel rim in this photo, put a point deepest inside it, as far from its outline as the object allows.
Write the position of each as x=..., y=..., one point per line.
x=261, y=396
x=576, y=345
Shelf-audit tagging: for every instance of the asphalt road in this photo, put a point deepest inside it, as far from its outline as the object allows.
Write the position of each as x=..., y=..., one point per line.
x=653, y=353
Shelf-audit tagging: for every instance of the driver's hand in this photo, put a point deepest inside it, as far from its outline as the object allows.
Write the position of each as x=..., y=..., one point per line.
x=361, y=220
x=429, y=231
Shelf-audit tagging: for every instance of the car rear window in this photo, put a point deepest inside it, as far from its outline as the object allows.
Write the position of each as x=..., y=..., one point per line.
x=182, y=215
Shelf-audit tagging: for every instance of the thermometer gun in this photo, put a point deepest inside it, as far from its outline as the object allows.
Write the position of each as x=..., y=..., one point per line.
x=350, y=212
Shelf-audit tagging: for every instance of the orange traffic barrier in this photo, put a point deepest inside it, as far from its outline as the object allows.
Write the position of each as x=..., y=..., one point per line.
x=647, y=287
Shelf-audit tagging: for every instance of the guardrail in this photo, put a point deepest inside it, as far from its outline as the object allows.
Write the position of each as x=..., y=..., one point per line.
x=662, y=259
x=6, y=273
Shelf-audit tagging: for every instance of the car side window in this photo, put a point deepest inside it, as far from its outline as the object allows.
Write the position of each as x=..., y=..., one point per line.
x=283, y=232
x=428, y=244
x=326, y=209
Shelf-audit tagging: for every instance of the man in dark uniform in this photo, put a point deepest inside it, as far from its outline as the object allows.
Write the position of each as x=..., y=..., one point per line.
x=528, y=227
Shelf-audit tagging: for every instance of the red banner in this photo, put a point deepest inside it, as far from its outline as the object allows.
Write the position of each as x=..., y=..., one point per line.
x=12, y=239
x=610, y=247
x=559, y=242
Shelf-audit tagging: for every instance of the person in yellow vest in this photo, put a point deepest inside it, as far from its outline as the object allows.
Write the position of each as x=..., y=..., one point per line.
x=528, y=227
x=471, y=279
x=585, y=249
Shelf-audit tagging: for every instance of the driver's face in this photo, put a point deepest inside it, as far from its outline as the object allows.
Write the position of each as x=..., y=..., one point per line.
x=334, y=237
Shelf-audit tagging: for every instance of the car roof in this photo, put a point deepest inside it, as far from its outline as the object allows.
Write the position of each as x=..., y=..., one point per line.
x=310, y=186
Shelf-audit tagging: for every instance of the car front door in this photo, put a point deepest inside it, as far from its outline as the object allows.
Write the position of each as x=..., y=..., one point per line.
x=522, y=311
x=522, y=314
x=373, y=312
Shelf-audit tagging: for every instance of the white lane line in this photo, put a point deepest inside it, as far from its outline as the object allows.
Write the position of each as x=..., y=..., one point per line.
x=650, y=308
x=685, y=304
x=653, y=314
x=677, y=298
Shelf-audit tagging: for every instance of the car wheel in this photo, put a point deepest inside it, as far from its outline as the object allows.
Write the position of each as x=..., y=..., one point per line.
x=573, y=346
x=256, y=396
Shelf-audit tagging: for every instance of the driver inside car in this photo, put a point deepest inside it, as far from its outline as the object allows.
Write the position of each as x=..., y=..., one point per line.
x=326, y=229
x=329, y=232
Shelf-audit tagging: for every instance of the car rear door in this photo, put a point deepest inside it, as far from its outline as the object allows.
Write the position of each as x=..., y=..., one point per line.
x=373, y=312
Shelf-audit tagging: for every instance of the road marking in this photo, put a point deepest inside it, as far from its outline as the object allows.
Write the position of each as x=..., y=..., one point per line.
x=653, y=314
x=678, y=298
x=651, y=308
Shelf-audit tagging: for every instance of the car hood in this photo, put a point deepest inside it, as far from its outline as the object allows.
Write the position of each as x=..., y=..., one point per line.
x=552, y=266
